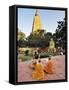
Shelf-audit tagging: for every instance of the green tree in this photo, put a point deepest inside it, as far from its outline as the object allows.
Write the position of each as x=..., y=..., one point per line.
x=21, y=36
x=60, y=33
x=47, y=37
x=39, y=40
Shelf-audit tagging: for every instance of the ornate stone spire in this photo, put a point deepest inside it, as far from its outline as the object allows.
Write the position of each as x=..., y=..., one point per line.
x=36, y=22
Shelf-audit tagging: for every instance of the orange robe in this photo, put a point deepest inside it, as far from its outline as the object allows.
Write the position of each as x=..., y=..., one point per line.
x=49, y=67
x=38, y=74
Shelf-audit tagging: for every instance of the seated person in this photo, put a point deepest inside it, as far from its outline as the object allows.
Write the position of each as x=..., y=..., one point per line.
x=32, y=64
x=36, y=55
x=49, y=67
x=38, y=73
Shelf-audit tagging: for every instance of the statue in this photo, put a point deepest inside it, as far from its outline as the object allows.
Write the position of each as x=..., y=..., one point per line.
x=52, y=46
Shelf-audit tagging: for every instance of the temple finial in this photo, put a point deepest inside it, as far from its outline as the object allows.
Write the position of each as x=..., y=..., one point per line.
x=36, y=12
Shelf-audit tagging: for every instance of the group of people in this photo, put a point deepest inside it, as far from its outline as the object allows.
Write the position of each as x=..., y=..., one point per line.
x=39, y=70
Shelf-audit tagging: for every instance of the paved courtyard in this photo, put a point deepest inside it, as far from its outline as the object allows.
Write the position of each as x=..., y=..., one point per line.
x=24, y=71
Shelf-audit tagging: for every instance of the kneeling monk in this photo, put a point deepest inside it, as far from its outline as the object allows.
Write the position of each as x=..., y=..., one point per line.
x=38, y=73
x=49, y=67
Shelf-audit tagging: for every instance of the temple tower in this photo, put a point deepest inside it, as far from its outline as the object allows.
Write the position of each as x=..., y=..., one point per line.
x=37, y=26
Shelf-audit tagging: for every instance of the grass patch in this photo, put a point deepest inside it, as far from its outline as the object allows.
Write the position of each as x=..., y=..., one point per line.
x=23, y=57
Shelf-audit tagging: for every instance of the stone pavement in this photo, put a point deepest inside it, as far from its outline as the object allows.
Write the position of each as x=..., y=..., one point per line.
x=24, y=71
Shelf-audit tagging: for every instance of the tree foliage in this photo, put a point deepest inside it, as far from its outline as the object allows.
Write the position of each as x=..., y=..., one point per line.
x=39, y=40
x=60, y=34
x=21, y=35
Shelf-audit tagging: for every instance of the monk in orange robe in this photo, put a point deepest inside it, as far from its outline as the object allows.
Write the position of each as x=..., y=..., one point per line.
x=38, y=73
x=32, y=64
x=49, y=67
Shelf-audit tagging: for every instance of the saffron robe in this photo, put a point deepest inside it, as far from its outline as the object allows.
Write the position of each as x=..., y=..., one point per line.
x=49, y=67
x=38, y=73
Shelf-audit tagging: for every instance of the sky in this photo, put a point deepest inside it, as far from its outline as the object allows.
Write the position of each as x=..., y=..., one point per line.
x=48, y=18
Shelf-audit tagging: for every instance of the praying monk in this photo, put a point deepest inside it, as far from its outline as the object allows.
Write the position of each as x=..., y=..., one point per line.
x=38, y=73
x=49, y=67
